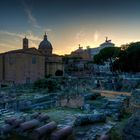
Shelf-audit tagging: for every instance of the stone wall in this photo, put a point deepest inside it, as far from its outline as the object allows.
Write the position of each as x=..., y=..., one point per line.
x=20, y=68
x=52, y=67
x=72, y=102
x=135, y=100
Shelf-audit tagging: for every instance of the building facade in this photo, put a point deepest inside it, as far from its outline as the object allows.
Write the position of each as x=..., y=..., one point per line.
x=84, y=54
x=105, y=44
x=27, y=65
x=22, y=66
x=81, y=60
x=53, y=62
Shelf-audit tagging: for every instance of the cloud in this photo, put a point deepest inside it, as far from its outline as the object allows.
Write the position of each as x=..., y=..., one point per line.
x=12, y=34
x=29, y=35
x=5, y=47
x=12, y=40
x=31, y=18
x=47, y=29
x=96, y=36
x=17, y=37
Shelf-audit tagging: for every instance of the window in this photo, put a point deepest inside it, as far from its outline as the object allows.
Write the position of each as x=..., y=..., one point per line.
x=34, y=60
x=28, y=80
x=12, y=60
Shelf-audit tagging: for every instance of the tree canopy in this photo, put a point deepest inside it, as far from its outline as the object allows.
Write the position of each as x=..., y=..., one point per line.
x=109, y=54
x=129, y=58
x=125, y=58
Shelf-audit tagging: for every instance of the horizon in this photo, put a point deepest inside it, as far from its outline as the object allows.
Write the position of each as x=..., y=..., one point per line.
x=68, y=23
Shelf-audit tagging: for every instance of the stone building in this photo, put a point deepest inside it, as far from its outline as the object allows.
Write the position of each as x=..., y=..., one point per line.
x=53, y=62
x=84, y=54
x=105, y=44
x=27, y=65
x=81, y=60
x=22, y=66
x=106, y=67
x=78, y=63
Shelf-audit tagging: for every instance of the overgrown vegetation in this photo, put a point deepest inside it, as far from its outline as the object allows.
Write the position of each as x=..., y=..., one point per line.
x=47, y=83
x=116, y=131
x=68, y=86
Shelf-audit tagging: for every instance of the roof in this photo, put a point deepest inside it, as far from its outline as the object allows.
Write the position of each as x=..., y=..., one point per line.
x=32, y=51
x=79, y=50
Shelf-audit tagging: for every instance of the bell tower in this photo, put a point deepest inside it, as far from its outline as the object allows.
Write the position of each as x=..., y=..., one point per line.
x=25, y=43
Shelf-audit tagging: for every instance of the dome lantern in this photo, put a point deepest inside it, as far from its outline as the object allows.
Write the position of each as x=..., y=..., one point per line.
x=45, y=36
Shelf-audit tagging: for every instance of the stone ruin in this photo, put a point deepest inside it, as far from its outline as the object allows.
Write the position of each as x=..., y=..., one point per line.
x=111, y=107
x=131, y=130
x=35, y=127
x=135, y=100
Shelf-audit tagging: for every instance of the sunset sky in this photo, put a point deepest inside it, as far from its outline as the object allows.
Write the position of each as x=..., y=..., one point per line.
x=68, y=23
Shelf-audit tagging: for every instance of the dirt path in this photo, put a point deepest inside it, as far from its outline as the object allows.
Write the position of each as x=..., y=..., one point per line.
x=109, y=93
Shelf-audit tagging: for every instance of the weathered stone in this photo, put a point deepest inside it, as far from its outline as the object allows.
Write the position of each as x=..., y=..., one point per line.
x=135, y=100
x=5, y=129
x=117, y=116
x=89, y=119
x=62, y=134
x=29, y=125
x=87, y=107
x=43, y=117
x=105, y=137
x=44, y=130
x=17, y=122
x=35, y=115
x=92, y=96
x=131, y=131
x=10, y=120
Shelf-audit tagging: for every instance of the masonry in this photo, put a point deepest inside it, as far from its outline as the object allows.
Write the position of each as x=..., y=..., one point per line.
x=27, y=65
x=21, y=66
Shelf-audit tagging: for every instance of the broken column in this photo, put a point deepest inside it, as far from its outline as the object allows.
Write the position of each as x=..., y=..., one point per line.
x=44, y=130
x=29, y=125
x=62, y=134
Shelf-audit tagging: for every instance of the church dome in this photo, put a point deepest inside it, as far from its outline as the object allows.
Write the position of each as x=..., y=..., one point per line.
x=45, y=46
x=45, y=43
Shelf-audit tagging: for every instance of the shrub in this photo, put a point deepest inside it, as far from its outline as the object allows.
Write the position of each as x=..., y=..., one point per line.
x=47, y=83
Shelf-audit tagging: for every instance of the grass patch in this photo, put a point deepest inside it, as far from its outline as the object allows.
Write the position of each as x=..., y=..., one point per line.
x=116, y=131
x=60, y=114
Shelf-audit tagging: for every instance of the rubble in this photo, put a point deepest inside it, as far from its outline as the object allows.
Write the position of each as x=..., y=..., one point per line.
x=131, y=130
x=89, y=119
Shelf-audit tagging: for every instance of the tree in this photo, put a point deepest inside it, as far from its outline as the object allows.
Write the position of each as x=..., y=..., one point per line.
x=129, y=58
x=98, y=59
x=107, y=54
x=47, y=83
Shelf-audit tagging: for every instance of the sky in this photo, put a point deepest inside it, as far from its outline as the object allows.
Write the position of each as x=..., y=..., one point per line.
x=68, y=23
